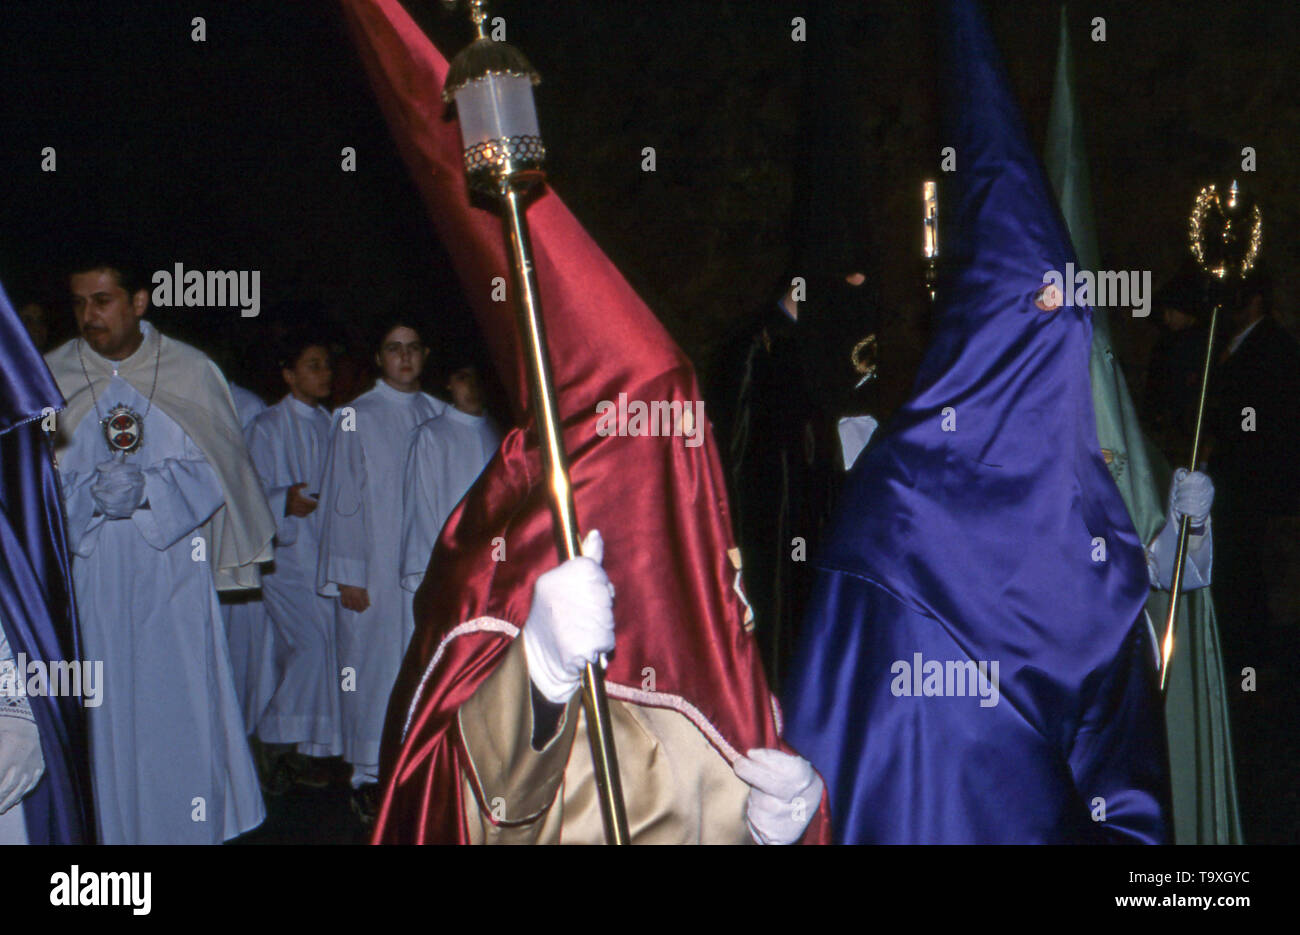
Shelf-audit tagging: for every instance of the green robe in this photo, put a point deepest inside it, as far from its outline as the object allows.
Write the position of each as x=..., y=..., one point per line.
x=1196, y=706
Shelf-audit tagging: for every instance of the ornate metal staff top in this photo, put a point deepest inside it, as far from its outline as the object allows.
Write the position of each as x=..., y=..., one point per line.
x=1226, y=232
x=492, y=86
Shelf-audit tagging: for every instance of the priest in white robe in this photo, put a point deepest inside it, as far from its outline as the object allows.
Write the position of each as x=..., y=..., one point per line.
x=360, y=555
x=288, y=443
x=447, y=454
x=163, y=509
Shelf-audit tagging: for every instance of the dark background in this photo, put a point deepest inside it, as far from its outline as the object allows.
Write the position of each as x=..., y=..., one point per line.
x=225, y=154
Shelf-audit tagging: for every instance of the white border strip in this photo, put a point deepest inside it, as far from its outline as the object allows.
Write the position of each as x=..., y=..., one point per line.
x=623, y=692
x=477, y=625
x=679, y=704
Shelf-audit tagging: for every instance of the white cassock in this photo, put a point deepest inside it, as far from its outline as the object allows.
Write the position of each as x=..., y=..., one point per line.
x=248, y=405
x=252, y=644
x=288, y=443
x=361, y=507
x=13, y=823
x=168, y=753
x=447, y=454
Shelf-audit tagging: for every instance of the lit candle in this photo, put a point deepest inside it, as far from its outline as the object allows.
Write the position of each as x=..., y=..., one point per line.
x=930, y=246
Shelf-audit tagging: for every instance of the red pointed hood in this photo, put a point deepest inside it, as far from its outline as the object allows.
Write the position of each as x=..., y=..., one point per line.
x=659, y=502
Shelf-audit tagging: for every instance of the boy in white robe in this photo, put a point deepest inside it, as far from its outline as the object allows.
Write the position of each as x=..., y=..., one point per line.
x=288, y=443
x=21, y=762
x=248, y=632
x=360, y=554
x=163, y=508
x=448, y=452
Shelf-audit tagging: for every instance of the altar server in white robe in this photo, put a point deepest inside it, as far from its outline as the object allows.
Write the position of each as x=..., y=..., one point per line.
x=163, y=509
x=448, y=452
x=288, y=443
x=248, y=405
x=21, y=761
x=248, y=631
x=360, y=556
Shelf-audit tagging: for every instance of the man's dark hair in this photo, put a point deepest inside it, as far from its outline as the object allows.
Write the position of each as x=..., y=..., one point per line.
x=129, y=276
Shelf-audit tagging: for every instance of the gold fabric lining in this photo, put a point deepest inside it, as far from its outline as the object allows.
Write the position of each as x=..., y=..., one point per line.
x=678, y=788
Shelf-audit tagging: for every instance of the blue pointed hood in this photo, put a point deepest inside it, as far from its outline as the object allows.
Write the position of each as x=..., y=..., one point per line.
x=1001, y=232
x=37, y=611
x=26, y=385
x=986, y=503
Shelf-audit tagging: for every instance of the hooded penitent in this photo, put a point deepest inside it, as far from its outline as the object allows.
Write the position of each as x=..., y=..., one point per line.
x=36, y=606
x=1196, y=709
x=658, y=502
x=975, y=667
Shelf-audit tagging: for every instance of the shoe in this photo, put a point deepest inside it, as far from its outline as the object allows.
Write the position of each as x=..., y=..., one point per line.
x=365, y=802
x=270, y=762
x=310, y=771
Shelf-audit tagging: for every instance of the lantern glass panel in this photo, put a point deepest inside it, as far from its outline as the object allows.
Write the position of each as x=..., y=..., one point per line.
x=495, y=107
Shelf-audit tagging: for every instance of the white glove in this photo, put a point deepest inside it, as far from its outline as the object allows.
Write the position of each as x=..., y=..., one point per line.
x=21, y=762
x=1190, y=494
x=570, y=623
x=118, y=490
x=785, y=792
x=855, y=432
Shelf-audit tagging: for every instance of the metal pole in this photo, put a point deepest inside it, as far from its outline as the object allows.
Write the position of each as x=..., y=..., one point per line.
x=599, y=731
x=1167, y=644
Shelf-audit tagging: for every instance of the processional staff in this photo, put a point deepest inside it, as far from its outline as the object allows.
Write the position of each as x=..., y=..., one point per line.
x=1225, y=232
x=491, y=84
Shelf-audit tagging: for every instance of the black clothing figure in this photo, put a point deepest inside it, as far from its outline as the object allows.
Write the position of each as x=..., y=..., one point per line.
x=789, y=376
x=1254, y=389
x=1174, y=368
x=1173, y=385
x=1252, y=424
x=791, y=382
